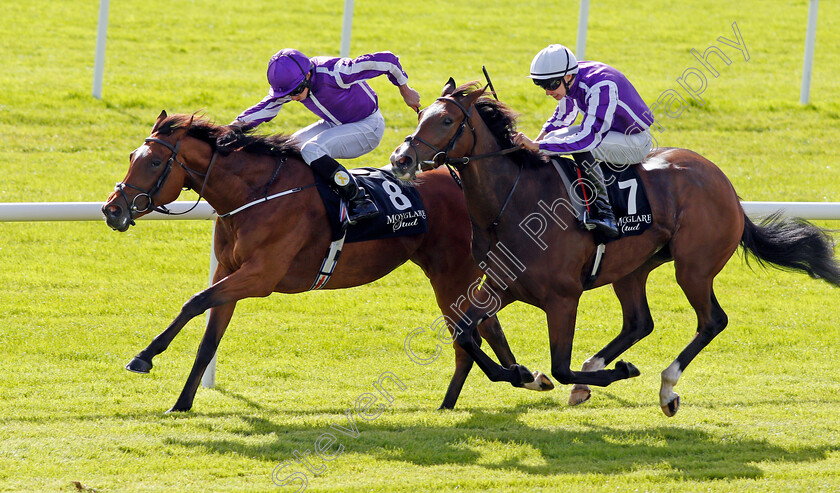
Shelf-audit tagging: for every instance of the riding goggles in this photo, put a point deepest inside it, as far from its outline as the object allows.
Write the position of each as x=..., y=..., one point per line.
x=300, y=88
x=549, y=84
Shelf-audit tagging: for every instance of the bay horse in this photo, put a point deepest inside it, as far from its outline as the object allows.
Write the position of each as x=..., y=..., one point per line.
x=278, y=246
x=697, y=223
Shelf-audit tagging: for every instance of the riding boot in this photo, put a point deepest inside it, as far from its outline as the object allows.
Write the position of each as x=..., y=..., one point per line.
x=360, y=206
x=603, y=219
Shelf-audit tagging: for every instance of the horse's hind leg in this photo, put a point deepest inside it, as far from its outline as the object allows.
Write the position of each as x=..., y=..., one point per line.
x=711, y=320
x=638, y=323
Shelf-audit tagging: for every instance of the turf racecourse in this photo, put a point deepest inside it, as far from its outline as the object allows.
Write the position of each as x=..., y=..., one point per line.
x=760, y=405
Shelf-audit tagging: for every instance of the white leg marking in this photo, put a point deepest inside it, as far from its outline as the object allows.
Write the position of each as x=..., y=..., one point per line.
x=541, y=382
x=581, y=392
x=593, y=364
x=670, y=377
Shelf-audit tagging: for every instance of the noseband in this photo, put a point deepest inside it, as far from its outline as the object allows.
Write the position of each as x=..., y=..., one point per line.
x=134, y=210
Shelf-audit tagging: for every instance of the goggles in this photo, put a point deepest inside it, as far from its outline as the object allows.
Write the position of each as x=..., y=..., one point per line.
x=549, y=84
x=300, y=88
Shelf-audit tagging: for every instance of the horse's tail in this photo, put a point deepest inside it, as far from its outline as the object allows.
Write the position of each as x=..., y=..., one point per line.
x=792, y=244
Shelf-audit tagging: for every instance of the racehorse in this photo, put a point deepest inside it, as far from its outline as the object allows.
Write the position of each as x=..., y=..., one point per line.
x=279, y=245
x=697, y=223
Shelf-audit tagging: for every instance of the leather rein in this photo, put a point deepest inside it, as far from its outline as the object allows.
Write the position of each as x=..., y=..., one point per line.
x=441, y=157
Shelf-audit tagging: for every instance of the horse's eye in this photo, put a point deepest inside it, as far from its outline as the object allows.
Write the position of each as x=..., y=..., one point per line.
x=156, y=163
x=447, y=121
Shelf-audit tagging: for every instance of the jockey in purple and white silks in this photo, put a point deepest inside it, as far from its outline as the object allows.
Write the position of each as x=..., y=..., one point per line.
x=336, y=90
x=614, y=127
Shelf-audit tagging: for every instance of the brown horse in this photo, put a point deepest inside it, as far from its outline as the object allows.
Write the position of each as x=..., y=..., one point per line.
x=697, y=219
x=256, y=250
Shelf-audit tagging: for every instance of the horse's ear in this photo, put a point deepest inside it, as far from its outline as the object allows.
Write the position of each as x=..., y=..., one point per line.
x=472, y=97
x=160, y=120
x=449, y=88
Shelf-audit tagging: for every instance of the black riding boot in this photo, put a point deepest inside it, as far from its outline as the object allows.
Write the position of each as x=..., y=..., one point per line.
x=603, y=219
x=360, y=206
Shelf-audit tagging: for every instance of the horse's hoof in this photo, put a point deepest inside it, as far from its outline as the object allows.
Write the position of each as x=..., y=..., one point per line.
x=579, y=395
x=525, y=375
x=541, y=383
x=628, y=369
x=138, y=365
x=672, y=407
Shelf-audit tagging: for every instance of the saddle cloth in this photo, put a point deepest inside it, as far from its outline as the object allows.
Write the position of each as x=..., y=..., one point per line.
x=401, y=211
x=626, y=190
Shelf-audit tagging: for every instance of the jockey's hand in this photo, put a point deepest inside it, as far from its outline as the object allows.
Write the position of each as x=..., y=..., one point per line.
x=520, y=139
x=410, y=96
x=238, y=127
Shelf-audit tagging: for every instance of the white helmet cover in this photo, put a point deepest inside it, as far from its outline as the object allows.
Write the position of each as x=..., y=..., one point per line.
x=553, y=61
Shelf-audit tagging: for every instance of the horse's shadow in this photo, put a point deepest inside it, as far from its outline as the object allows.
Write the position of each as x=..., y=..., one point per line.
x=675, y=452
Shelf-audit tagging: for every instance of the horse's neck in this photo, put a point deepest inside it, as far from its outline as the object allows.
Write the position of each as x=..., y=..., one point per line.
x=501, y=194
x=240, y=177
x=487, y=181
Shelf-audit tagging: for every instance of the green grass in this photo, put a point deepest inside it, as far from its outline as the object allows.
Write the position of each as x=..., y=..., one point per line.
x=760, y=404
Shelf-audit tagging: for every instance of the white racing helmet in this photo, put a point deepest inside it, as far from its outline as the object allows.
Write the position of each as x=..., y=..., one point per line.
x=552, y=62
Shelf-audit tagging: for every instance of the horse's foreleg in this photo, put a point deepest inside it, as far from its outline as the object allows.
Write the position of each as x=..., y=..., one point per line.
x=449, y=295
x=561, y=315
x=491, y=331
x=638, y=323
x=517, y=375
x=217, y=322
x=195, y=306
x=247, y=282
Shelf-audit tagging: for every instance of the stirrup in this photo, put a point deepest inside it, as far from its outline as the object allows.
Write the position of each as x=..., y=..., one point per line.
x=361, y=209
x=606, y=227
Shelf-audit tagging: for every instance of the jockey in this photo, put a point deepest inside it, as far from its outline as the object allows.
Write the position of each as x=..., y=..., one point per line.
x=351, y=124
x=614, y=128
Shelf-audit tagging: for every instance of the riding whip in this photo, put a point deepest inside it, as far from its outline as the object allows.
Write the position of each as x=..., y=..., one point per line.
x=490, y=84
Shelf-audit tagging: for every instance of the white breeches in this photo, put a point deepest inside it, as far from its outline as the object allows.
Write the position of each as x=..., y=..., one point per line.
x=345, y=141
x=618, y=148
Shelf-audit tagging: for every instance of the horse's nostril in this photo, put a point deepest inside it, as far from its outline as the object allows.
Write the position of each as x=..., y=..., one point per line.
x=112, y=210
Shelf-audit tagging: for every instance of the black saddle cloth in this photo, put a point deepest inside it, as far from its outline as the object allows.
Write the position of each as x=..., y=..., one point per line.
x=401, y=211
x=627, y=193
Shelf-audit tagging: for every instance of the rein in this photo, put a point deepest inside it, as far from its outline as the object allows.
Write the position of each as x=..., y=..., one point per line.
x=149, y=194
x=441, y=157
x=507, y=201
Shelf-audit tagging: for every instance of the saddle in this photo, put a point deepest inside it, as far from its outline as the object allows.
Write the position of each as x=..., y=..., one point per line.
x=628, y=197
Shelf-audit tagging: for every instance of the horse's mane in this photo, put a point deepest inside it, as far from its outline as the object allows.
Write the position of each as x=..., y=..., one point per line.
x=228, y=138
x=501, y=120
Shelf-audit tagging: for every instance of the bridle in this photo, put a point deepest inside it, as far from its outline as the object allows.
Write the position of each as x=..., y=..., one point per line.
x=148, y=195
x=441, y=157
